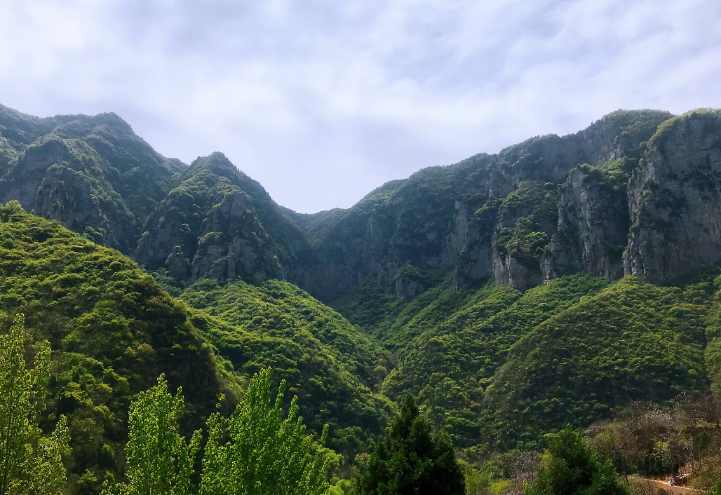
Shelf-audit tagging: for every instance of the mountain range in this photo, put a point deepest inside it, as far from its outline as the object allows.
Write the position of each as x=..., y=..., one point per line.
x=552, y=283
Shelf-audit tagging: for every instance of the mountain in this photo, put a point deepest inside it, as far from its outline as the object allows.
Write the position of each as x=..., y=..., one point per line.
x=93, y=174
x=330, y=364
x=112, y=330
x=217, y=222
x=555, y=282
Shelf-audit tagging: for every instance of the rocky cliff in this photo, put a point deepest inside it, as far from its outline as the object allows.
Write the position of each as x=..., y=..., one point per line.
x=548, y=206
x=675, y=200
x=93, y=174
x=219, y=223
x=637, y=192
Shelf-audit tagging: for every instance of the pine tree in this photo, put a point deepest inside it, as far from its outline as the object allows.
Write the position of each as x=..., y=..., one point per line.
x=30, y=463
x=259, y=450
x=411, y=460
x=569, y=466
x=160, y=460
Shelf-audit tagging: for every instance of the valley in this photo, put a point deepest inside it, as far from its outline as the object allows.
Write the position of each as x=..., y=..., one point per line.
x=557, y=283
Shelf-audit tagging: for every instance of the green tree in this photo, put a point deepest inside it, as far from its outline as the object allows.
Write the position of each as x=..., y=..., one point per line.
x=411, y=460
x=29, y=462
x=160, y=460
x=569, y=466
x=259, y=450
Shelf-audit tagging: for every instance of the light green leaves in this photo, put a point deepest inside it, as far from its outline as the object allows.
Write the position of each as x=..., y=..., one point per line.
x=259, y=450
x=160, y=460
x=30, y=463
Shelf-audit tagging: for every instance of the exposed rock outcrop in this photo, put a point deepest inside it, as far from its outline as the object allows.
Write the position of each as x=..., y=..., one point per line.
x=675, y=200
x=218, y=223
x=93, y=174
x=592, y=224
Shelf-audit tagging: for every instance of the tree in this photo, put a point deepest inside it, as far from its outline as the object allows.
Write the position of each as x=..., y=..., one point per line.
x=569, y=466
x=29, y=461
x=160, y=460
x=260, y=451
x=411, y=460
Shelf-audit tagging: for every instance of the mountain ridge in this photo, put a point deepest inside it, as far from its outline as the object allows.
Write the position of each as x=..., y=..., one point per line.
x=554, y=282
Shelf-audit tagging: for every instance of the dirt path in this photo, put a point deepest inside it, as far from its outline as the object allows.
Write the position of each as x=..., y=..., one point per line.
x=663, y=485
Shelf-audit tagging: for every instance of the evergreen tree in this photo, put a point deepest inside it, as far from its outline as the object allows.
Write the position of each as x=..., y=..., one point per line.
x=30, y=463
x=259, y=450
x=160, y=460
x=569, y=466
x=411, y=460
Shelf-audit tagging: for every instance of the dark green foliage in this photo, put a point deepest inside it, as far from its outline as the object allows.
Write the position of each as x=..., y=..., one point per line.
x=217, y=222
x=527, y=218
x=112, y=329
x=93, y=174
x=569, y=466
x=631, y=341
x=411, y=460
x=330, y=364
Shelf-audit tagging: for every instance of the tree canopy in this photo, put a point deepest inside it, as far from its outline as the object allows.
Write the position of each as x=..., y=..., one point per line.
x=411, y=459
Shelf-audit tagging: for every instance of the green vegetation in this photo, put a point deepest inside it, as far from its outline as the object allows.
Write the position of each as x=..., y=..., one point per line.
x=631, y=341
x=329, y=363
x=468, y=335
x=111, y=328
x=410, y=459
x=527, y=218
x=259, y=450
x=30, y=462
x=159, y=459
x=571, y=467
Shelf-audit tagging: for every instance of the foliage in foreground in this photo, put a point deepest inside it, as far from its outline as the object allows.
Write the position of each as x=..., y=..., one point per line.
x=571, y=467
x=159, y=458
x=261, y=450
x=258, y=450
x=411, y=460
x=113, y=330
x=30, y=462
x=330, y=364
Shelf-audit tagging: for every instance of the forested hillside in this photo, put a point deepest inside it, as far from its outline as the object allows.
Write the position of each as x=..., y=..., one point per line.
x=557, y=283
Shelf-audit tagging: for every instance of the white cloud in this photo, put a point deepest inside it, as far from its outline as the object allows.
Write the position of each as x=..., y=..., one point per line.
x=322, y=101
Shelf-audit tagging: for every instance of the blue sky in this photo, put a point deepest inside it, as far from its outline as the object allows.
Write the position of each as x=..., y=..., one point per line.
x=322, y=101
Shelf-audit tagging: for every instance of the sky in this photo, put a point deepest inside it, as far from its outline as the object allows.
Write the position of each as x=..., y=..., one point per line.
x=322, y=101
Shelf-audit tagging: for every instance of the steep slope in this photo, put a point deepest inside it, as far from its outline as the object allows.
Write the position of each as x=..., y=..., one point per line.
x=219, y=223
x=93, y=174
x=462, y=219
x=630, y=342
x=675, y=200
x=329, y=363
x=450, y=347
x=112, y=329
x=499, y=367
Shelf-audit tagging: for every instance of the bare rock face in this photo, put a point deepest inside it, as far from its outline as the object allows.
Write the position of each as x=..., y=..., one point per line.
x=93, y=174
x=592, y=224
x=526, y=221
x=218, y=223
x=675, y=200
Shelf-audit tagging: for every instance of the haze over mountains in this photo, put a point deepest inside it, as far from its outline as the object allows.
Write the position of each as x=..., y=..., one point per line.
x=554, y=282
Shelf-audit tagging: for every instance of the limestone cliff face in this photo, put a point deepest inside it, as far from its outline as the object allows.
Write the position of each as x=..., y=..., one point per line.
x=515, y=216
x=93, y=174
x=592, y=224
x=675, y=200
x=637, y=192
x=218, y=223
